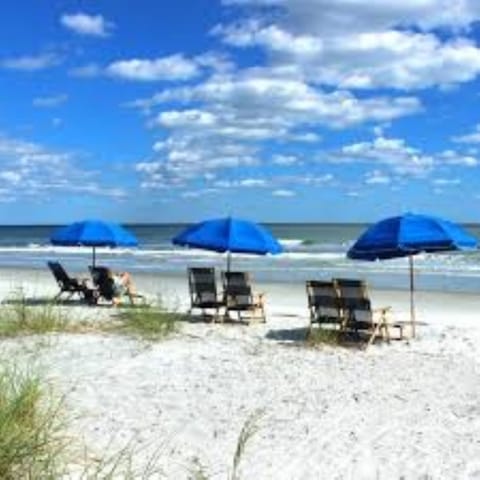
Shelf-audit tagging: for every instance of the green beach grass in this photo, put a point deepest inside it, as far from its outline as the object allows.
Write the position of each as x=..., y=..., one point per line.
x=31, y=440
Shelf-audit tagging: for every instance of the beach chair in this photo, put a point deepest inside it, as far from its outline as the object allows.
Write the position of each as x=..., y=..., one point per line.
x=359, y=316
x=239, y=297
x=105, y=286
x=203, y=290
x=324, y=303
x=69, y=285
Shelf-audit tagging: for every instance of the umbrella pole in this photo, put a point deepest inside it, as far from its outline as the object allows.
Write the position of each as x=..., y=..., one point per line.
x=93, y=256
x=412, y=299
x=229, y=260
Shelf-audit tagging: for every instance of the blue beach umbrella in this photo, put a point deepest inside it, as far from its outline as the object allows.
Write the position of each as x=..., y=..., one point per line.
x=93, y=233
x=406, y=236
x=232, y=235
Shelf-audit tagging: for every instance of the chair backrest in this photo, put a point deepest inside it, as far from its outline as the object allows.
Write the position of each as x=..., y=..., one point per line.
x=354, y=299
x=102, y=280
x=323, y=301
x=202, y=285
x=237, y=288
x=61, y=276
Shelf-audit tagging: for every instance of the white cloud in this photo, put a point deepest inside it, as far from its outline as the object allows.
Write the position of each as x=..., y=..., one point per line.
x=283, y=193
x=86, y=71
x=50, y=102
x=473, y=137
x=84, y=24
x=358, y=44
x=446, y=181
x=173, y=67
x=264, y=103
x=400, y=157
x=357, y=15
x=31, y=63
x=285, y=159
x=393, y=152
x=377, y=178
x=31, y=170
x=252, y=182
x=451, y=157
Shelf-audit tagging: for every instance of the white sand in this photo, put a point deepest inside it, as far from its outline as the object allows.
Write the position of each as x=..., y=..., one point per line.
x=408, y=411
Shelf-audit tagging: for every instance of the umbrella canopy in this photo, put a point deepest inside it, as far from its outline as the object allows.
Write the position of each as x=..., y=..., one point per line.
x=232, y=235
x=93, y=233
x=408, y=235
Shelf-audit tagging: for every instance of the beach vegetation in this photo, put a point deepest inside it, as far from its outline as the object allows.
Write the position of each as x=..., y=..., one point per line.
x=248, y=431
x=323, y=336
x=31, y=441
x=148, y=322
x=19, y=317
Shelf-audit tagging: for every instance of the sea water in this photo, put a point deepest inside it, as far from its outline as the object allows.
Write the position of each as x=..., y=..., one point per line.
x=311, y=251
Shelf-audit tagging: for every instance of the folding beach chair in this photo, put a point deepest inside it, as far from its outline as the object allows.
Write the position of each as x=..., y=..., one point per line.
x=203, y=290
x=69, y=285
x=239, y=297
x=358, y=313
x=324, y=303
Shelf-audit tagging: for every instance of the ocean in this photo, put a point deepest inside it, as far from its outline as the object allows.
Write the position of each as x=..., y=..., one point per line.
x=312, y=251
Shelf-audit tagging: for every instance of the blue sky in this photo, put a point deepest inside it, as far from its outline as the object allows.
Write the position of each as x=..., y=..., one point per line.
x=275, y=110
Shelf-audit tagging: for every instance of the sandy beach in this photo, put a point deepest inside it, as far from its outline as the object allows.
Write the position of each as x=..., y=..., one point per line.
x=405, y=410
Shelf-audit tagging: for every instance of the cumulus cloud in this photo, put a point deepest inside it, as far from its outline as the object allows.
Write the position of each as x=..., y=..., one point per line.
x=173, y=67
x=396, y=154
x=85, y=24
x=364, y=44
x=269, y=104
x=31, y=170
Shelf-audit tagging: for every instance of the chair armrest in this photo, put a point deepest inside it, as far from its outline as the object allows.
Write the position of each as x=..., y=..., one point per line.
x=382, y=310
x=259, y=298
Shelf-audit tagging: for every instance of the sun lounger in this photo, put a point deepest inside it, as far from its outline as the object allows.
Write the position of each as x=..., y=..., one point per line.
x=324, y=303
x=70, y=285
x=358, y=313
x=239, y=297
x=203, y=290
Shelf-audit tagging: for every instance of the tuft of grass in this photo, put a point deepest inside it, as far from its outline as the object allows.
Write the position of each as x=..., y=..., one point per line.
x=323, y=336
x=31, y=442
x=147, y=322
x=20, y=318
x=249, y=429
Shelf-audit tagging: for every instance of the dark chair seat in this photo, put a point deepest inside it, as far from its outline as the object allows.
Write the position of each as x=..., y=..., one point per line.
x=239, y=297
x=70, y=285
x=323, y=303
x=203, y=290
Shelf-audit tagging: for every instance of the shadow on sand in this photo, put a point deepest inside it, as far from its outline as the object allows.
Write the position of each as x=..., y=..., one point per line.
x=288, y=334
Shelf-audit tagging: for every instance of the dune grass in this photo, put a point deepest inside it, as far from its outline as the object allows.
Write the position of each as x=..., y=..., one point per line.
x=19, y=318
x=249, y=429
x=323, y=336
x=31, y=442
x=151, y=323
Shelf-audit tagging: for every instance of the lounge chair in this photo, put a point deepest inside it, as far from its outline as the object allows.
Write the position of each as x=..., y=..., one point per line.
x=324, y=303
x=238, y=296
x=203, y=290
x=105, y=287
x=70, y=285
x=358, y=313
